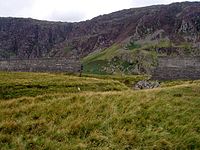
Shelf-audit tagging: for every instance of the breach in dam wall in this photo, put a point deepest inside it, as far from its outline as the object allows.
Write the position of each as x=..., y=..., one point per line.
x=173, y=68
x=41, y=65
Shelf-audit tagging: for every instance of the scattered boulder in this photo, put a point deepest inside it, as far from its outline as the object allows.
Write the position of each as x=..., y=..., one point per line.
x=146, y=85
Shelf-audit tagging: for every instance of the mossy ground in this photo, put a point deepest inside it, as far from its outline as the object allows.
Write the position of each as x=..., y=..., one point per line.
x=112, y=60
x=99, y=117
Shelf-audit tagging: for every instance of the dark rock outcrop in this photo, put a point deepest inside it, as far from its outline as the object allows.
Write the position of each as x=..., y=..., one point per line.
x=29, y=38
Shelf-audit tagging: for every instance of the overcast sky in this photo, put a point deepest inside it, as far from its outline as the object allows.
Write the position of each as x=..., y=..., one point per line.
x=70, y=10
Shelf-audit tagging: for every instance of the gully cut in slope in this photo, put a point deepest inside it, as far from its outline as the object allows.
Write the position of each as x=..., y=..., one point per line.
x=164, y=118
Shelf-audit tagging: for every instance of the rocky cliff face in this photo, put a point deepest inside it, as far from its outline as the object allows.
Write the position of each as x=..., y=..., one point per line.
x=28, y=38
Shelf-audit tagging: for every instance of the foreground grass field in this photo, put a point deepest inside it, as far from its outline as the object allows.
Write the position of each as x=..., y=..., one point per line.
x=14, y=85
x=90, y=113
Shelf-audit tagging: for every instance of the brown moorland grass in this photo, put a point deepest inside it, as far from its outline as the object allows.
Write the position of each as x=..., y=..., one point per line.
x=163, y=118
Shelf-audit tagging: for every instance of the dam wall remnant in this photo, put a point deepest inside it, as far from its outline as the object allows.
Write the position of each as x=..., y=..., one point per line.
x=40, y=65
x=168, y=68
x=173, y=68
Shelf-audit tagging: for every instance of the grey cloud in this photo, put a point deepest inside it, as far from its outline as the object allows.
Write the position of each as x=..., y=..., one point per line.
x=139, y=3
x=22, y=8
x=66, y=16
x=14, y=7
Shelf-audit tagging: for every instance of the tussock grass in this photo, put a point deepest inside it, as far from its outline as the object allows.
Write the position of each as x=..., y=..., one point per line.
x=163, y=118
x=14, y=85
x=128, y=80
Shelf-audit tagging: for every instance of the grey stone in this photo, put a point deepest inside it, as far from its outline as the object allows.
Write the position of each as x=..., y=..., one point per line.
x=146, y=85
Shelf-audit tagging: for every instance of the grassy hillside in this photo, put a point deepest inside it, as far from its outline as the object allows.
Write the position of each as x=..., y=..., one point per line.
x=61, y=117
x=120, y=59
x=134, y=57
x=103, y=55
x=128, y=80
x=95, y=62
x=14, y=85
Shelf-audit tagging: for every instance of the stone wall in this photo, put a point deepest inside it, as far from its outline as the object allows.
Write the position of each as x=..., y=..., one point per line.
x=41, y=65
x=172, y=68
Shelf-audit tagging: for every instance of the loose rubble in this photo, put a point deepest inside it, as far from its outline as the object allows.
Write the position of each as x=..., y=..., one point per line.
x=146, y=85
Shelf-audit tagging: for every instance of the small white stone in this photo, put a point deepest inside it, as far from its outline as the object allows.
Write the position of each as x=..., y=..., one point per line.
x=79, y=89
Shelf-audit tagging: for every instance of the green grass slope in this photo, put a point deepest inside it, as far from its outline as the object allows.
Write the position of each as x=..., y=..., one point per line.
x=134, y=57
x=163, y=118
x=14, y=85
x=120, y=59
x=103, y=55
x=128, y=80
x=95, y=62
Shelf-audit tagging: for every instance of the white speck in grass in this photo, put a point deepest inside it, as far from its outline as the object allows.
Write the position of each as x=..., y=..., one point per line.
x=79, y=89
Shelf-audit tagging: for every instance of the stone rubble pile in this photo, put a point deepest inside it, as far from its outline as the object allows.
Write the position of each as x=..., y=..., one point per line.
x=146, y=85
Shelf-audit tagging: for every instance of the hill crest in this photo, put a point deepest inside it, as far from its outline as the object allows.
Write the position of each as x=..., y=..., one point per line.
x=29, y=38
